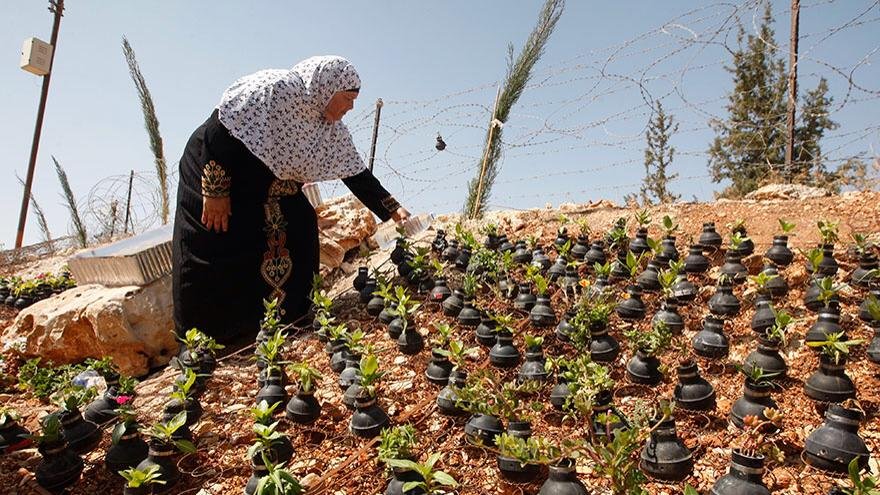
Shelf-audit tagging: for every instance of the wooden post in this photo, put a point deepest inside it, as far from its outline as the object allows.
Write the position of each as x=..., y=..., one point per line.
x=57, y=8
x=379, y=104
x=113, y=207
x=128, y=204
x=792, y=89
x=477, y=201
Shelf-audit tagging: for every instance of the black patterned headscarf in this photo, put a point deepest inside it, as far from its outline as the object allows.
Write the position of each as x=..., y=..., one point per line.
x=279, y=116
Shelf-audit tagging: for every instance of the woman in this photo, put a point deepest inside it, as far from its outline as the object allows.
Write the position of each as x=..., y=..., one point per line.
x=244, y=231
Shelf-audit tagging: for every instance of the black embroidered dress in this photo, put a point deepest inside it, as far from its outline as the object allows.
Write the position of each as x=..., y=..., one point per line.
x=270, y=249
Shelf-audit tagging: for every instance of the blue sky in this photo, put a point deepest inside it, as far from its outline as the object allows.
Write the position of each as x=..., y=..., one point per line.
x=576, y=135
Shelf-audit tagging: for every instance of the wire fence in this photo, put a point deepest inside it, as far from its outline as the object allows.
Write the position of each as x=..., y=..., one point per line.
x=578, y=112
x=570, y=119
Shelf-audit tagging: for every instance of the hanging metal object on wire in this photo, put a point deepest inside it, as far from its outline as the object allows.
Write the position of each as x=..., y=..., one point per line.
x=441, y=145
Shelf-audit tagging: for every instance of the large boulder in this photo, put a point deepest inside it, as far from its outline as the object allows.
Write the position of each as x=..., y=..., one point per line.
x=343, y=223
x=786, y=192
x=132, y=324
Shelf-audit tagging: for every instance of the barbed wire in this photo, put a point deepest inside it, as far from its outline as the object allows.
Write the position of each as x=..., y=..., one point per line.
x=573, y=106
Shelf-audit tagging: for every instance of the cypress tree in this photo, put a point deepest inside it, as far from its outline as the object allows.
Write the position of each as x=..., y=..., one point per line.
x=658, y=158
x=749, y=149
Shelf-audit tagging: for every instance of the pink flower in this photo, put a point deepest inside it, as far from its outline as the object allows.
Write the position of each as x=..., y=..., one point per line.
x=123, y=399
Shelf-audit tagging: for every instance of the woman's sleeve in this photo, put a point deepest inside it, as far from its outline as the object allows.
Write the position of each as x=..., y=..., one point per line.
x=218, y=156
x=366, y=187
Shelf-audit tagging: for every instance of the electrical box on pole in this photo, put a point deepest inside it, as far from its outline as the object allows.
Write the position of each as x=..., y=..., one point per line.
x=36, y=56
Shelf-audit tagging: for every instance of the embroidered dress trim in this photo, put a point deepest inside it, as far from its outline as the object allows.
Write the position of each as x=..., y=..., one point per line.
x=215, y=182
x=277, y=266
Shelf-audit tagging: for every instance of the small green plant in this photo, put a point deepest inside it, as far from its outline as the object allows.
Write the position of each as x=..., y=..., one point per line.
x=777, y=332
x=337, y=333
x=50, y=430
x=370, y=376
x=103, y=366
x=504, y=323
x=617, y=237
x=616, y=459
x=264, y=414
x=814, y=258
x=872, y=304
x=827, y=290
x=420, y=263
x=437, y=268
x=586, y=379
x=396, y=442
x=271, y=316
x=307, y=376
x=591, y=312
x=828, y=231
x=45, y=381
x=584, y=226
x=667, y=280
x=466, y=237
x=787, y=228
x=738, y=225
x=197, y=341
x=322, y=303
x=484, y=393
x=602, y=271
x=8, y=416
x=270, y=351
x=384, y=288
x=127, y=422
x=354, y=341
x=458, y=353
x=163, y=432
x=406, y=305
x=469, y=285
x=755, y=440
x=266, y=438
x=541, y=284
x=443, y=335
x=432, y=480
x=863, y=245
x=834, y=347
x=183, y=389
x=533, y=342
x=324, y=323
x=760, y=281
x=634, y=264
x=859, y=485
x=756, y=374
x=126, y=385
x=652, y=342
x=669, y=226
x=736, y=241
x=278, y=480
x=643, y=218
x=564, y=249
x=136, y=478
x=534, y=450
x=72, y=398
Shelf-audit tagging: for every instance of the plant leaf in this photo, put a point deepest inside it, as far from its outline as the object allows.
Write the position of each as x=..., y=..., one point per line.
x=445, y=479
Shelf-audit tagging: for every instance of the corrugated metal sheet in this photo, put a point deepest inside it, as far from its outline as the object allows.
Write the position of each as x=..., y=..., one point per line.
x=138, y=260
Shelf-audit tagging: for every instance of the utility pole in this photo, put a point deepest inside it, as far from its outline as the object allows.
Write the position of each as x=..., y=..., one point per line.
x=379, y=104
x=57, y=8
x=792, y=89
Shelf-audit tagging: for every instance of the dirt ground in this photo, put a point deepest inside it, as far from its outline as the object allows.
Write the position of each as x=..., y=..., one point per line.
x=331, y=461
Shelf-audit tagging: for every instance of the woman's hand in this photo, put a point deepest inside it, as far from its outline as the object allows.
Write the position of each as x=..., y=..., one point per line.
x=216, y=212
x=400, y=214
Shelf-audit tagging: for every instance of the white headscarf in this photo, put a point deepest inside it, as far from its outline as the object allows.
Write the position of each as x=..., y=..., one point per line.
x=279, y=116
